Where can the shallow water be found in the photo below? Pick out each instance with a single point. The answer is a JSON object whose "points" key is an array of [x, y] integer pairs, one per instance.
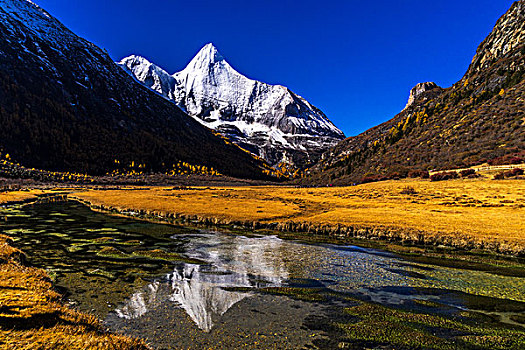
{"points": [[190, 288]]}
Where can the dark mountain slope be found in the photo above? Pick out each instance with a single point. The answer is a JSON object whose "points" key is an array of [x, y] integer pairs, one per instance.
{"points": [[480, 118], [65, 106]]}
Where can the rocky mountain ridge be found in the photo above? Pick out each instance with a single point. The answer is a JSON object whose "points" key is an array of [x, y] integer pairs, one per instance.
{"points": [[508, 33]]}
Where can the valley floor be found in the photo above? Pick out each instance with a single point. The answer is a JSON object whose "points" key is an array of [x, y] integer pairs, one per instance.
{"points": [[465, 214], [19, 196]]}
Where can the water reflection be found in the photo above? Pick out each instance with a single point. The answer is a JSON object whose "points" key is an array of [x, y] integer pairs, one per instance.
{"points": [[99, 260], [199, 289], [139, 302]]}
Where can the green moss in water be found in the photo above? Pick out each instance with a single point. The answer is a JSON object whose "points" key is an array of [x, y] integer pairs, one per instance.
{"points": [[475, 302], [428, 303], [159, 254], [94, 294], [131, 242], [382, 325], [102, 273], [112, 252], [57, 234], [15, 232], [103, 240], [518, 318], [104, 229], [75, 248]]}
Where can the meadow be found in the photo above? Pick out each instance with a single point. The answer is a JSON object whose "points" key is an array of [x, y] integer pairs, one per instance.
{"points": [[19, 196], [464, 213]]}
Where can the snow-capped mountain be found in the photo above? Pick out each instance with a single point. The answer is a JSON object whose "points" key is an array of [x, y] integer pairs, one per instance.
{"points": [[268, 120]]}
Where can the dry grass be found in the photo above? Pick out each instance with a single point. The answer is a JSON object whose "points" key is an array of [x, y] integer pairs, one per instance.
{"points": [[32, 315], [484, 210], [19, 196], [243, 203]]}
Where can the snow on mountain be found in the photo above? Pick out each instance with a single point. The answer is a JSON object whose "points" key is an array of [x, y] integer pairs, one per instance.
{"points": [[268, 120], [37, 20]]}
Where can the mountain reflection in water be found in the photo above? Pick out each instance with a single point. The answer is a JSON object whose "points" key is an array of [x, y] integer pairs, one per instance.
{"points": [[199, 289]]}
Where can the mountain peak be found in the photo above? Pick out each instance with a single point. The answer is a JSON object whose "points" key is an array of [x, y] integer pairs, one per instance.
{"points": [[207, 56], [136, 59], [210, 50], [267, 120], [136, 62]]}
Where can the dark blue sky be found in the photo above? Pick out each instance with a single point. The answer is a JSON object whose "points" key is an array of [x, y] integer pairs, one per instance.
{"points": [[356, 60]]}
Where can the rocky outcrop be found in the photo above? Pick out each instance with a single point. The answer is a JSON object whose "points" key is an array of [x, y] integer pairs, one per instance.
{"points": [[418, 90]]}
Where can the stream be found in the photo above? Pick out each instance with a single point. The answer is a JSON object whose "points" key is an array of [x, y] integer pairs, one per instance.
{"points": [[181, 287]]}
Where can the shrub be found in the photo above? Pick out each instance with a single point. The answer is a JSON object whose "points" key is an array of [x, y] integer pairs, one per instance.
{"points": [[516, 158], [408, 190], [376, 177], [368, 179], [467, 172], [373, 178], [499, 176], [444, 176], [513, 172], [418, 173], [394, 175]]}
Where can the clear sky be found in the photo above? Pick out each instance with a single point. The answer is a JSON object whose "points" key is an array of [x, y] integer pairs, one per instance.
{"points": [[354, 59]]}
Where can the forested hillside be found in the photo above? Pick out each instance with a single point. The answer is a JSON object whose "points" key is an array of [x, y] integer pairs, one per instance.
{"points": [[479, 119], [65, 106]]}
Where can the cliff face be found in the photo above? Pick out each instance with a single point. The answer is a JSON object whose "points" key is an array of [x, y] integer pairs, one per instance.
{"points": [[480, 118], [508, 34], [421, 89]]}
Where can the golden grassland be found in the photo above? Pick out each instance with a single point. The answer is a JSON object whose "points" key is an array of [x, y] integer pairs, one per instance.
{"points": [[19, 196], [470, 213], [32, 315]]}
